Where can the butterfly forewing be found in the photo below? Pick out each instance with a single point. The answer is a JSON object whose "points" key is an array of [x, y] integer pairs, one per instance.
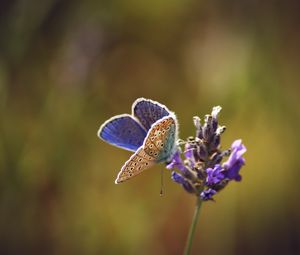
{"points": [[148, 111], [123, 131], [137, 163]]}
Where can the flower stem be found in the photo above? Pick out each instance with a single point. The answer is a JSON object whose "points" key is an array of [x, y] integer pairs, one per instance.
{"points": [[189, 241]]}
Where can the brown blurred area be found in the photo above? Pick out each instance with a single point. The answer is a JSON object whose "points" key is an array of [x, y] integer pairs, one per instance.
{"points": [[67, 66]]}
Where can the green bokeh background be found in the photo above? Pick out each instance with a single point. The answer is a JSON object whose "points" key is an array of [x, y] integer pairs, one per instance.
{"points": [[67, 66]]}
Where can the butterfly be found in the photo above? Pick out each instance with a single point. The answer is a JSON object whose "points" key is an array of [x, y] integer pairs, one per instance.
{"points": [[150, 131]]}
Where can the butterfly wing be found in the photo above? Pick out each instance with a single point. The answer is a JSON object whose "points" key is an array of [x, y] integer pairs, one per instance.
{"points": [[136, 164], [159, 146], [161, 139], [148, 111], [123, 131]]}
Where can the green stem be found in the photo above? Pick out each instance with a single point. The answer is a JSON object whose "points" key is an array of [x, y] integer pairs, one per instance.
{"points": [[189, 241]]}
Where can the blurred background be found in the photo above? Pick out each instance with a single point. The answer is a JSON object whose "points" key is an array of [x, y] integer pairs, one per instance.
{"points": [[67, 66]]}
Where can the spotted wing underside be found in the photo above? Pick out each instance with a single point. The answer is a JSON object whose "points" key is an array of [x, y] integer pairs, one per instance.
{"points": [[137, 163], [157, 147], [160, 140]]}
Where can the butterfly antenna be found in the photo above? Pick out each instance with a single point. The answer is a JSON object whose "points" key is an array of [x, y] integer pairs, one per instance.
{"points": [[161, 193]]}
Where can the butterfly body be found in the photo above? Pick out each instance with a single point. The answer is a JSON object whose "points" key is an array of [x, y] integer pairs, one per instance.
{"points": [[151, 131]]}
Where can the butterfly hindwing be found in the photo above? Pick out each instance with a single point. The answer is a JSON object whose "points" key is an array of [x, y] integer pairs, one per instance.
{"points": [[136, 164], [148, 111], [160, 140], [123, 131]]}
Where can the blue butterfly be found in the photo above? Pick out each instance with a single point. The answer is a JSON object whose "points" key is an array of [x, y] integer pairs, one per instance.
{"points": [[151, 131]]}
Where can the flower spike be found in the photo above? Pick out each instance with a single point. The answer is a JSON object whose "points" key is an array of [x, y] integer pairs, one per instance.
{"points": [[201, 172]]}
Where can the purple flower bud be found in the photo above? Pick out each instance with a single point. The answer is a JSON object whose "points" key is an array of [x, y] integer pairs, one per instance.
{"points": [[207, 194], [214, 175], [233, 172], [217, 158], [203, 152], [197, 123], [200, 152], [208, 131], [235, 162], [189, 151], [215, 142], [201, 175], [215, 111], [214, 124], [181, 180]]}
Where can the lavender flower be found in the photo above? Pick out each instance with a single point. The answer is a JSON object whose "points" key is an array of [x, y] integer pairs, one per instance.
{"points": [[214, 175], [235, 161], [184, 182], [207, 194], [201, 172], [177, 162]]}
